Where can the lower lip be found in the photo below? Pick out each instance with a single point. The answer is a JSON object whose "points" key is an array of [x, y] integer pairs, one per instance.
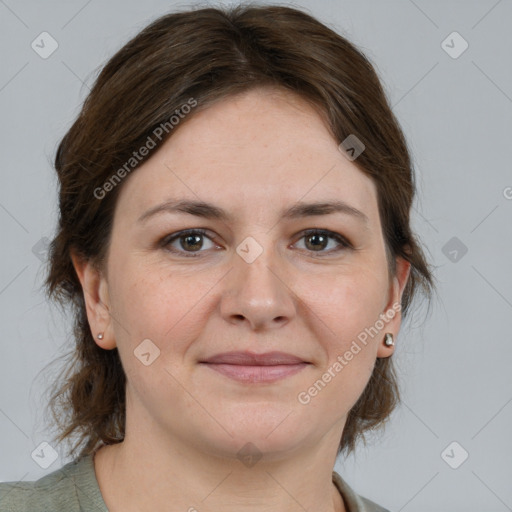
{"points": [[255, 374]]}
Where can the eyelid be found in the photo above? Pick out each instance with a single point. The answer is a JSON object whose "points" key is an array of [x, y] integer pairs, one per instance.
{"points": [[331, 234], [166, 240], [340, 239]]}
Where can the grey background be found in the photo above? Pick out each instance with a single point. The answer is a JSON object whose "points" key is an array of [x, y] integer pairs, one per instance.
{"points": [[457, 115]]}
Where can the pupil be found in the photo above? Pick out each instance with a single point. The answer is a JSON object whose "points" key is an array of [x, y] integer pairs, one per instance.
{"points": [[321, 245], [192, 237], [197, 244]]}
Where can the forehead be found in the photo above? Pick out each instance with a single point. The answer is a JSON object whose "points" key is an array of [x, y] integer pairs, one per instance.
{"points": [[263, 147]]}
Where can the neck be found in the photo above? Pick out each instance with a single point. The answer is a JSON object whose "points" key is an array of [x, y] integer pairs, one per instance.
{"points": [[145, 473]]}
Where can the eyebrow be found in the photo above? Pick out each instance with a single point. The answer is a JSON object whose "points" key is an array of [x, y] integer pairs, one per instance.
{"points": [[210, 211]]}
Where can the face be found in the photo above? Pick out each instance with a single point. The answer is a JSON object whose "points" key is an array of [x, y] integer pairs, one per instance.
{"points": [[268, 275]]}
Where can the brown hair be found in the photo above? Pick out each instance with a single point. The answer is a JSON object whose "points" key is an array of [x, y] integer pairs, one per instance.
{"points": [[209, 54]]}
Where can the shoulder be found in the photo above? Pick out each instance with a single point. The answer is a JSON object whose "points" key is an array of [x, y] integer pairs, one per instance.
{"points": [[52, 492], [66, 489], [353, 501]]}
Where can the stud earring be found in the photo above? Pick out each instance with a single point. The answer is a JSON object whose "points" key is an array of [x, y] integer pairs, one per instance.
{"points": [[388, 340], [100, 336]]}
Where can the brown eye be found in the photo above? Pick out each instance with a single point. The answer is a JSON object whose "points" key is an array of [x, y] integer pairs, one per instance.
{"points": [[319, 240], [192, 242], [316, 241], [188, 241]]}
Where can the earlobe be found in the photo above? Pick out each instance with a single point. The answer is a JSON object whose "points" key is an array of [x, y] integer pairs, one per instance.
{"points": [[95, 290]]}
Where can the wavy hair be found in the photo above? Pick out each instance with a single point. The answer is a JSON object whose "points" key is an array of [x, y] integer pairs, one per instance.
{"points": [[210, 54]]}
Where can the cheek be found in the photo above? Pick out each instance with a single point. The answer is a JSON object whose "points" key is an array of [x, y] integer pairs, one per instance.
{"points": [[346, 302], [164, 305], [343, 374], [345, 309]]}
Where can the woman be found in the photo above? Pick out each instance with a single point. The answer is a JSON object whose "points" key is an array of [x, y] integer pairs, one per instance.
{"points": [[234, 241]]}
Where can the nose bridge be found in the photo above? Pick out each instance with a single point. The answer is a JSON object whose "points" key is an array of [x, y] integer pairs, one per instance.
{"points": [[258, 267], [257, 292]]}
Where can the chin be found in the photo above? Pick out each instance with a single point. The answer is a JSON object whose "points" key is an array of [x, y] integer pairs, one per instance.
{"points": [[258, 434]]}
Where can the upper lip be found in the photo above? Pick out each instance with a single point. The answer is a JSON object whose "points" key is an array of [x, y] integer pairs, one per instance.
{"points": [[253, 359]]}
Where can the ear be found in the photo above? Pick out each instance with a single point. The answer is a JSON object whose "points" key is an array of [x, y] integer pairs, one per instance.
{"points": [[95, 290], [392, 314]]}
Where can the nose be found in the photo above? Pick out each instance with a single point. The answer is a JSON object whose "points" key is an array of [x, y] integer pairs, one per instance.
{"points": [[257, 293]]}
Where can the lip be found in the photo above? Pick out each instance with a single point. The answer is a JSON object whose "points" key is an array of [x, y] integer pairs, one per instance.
{"points": [[253, 359], [249, 367]]}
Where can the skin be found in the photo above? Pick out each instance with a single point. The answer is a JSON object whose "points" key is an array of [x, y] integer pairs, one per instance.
{"points": [[253, 155]]}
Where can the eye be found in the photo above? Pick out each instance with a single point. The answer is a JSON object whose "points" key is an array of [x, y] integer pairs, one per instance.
{"points": [[316, 240], [190, 241]]}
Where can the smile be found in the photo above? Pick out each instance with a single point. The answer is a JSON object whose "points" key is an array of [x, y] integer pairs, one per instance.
{"points": [[256, 373]]}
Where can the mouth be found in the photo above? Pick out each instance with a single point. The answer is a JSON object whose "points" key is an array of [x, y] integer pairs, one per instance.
{"points": [[249, 367]]}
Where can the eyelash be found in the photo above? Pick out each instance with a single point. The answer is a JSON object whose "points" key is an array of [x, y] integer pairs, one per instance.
{"points": [[166, 241]]}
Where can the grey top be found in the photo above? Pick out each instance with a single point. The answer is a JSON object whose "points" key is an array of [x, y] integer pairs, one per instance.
{"points": [[74, 488]]}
